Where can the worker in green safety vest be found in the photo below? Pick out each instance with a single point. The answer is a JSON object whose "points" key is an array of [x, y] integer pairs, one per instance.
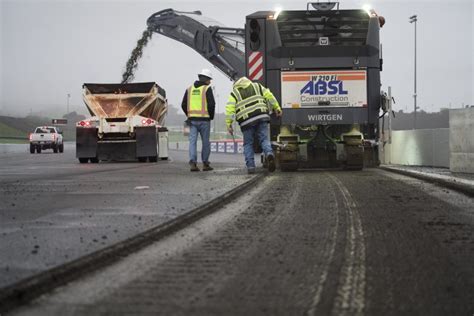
{"points": [[250, 104], [199, 106]]}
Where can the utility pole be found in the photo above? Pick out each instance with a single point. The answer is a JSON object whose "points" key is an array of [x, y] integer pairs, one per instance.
{"points": [[413, 19], [216, 112], [68, 97]]}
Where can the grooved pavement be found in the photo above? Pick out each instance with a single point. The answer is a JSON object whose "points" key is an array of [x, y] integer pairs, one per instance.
{"points": [[313, 243]]}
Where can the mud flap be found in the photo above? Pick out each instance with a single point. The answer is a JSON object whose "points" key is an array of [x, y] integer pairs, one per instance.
{"points": [[147, 142], [116, 151], [86, 142]]}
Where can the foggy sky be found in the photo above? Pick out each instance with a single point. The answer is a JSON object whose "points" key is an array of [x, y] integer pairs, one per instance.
{"points": [[50, 48]]}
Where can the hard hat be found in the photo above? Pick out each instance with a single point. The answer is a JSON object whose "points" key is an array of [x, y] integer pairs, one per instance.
{"points": [[381, 21], [205, 72]]}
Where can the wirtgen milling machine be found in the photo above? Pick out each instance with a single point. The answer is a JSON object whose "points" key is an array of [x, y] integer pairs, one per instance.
{"points": [[322, 64]]}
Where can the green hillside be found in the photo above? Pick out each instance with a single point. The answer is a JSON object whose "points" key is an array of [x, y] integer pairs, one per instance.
{"points": [[21, 127], [8, 131]]}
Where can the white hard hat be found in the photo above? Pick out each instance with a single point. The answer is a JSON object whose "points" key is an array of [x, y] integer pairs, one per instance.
{"points": [[205, 72]]}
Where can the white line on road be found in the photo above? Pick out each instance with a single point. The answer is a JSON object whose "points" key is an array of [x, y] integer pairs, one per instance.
{"points": [[142, 187]]}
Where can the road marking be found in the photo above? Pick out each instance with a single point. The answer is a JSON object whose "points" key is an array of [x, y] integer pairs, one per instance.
{"points": [[227, 170], [350, 299], [325, 268], [142, 187]]}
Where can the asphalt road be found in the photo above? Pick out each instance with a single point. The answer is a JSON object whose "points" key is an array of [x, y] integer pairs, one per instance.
{"points": [[54, 210], [305, 243]]}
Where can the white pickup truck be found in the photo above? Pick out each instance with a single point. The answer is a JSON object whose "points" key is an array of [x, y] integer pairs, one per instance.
{"points": [[46, 137]]}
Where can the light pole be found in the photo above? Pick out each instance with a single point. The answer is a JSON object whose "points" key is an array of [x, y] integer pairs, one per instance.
{"points": [[68, 97], [413, 19], [216, 112]]}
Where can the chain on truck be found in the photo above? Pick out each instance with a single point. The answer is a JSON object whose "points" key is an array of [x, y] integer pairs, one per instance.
{"points": [[323, 65]]}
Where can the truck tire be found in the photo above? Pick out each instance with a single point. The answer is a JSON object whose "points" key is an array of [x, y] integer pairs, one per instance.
{"points": [[141, 159], [38, 149], [32, 149], [61, 148], [95, 160], [83, 160], [55, 149], [153, 159], [164, 158]]}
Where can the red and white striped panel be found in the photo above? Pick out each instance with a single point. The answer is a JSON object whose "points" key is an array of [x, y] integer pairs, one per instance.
{"points": [[255, 65]]}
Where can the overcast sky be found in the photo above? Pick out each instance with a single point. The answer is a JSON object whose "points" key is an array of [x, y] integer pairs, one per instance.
{"points": [[49, 48]]}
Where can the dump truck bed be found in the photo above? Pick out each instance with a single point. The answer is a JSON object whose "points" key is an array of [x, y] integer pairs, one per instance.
{"points": [[125, 100]]}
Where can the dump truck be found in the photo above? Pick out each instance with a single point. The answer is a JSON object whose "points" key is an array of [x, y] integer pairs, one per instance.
{"points": [[126, 123], [323, 65]]}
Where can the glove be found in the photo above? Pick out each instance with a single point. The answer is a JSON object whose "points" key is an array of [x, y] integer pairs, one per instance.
{"points": [[230, 130], [278, 113]]}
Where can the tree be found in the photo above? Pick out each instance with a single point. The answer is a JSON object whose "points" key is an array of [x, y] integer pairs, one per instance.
{"points": [[73, 117]]}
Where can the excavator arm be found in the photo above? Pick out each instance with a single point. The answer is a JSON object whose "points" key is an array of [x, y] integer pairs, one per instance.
{"points": [[221, 46]]}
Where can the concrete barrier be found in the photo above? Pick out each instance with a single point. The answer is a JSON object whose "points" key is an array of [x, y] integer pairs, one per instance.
{"points": [[422, 147], [461, 140]]}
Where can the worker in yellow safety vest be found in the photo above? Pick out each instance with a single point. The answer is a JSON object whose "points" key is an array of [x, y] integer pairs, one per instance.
{"points": [[250, 104], [199, 106]]}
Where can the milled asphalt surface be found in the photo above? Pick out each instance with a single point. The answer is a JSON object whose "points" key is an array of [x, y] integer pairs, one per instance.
{"points": [[304, 243], [54, 210]]}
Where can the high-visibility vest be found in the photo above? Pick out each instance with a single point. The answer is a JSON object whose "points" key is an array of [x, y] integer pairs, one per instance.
{"points": [[251, 104], [197, 102]]}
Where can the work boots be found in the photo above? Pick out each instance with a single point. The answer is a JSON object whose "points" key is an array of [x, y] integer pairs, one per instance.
{"points": [[194, 166], [207, 167]]}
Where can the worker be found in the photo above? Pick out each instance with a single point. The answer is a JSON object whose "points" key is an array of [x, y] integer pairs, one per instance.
{"points": [[379, 17], [199, 106], [249, 104]]}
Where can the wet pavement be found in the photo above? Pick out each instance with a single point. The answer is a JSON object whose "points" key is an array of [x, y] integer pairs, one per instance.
{"points": [[304, 243], [54, 210]]}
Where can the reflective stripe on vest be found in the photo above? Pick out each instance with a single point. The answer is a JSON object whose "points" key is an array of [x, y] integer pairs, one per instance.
{"points": [[253, 105], [197, 101]]}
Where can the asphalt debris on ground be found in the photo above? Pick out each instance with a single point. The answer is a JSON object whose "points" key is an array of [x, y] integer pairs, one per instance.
{"points": [[314, 243]]}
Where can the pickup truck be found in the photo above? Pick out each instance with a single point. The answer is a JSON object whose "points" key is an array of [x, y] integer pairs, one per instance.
{"points": [[46, 137]]}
